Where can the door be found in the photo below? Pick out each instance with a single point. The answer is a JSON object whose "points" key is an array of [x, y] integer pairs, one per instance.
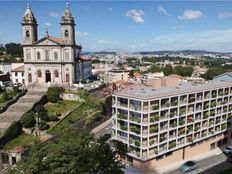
{"points": [[48, 76], [29, 78], [67, 78]]}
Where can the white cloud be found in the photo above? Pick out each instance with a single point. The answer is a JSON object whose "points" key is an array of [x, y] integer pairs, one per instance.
{"points": [[82, 34], [54, 14], [136, 15], [162, 10], [191, 14], [225, 14], [215, 40], [48, 24], [105, 42], [110, 9]]}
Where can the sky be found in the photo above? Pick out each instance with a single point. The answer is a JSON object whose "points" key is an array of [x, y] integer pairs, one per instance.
{"points": [[129, 25]]}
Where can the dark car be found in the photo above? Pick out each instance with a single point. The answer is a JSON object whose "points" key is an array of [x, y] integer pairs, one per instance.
{"points": [[188, 166]]}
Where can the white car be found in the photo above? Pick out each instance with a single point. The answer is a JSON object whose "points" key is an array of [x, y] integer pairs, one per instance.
{"points": [[227, 150]]}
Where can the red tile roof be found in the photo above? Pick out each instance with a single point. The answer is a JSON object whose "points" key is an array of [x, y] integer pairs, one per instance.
{"points": [[18, 69], [56, 39]]}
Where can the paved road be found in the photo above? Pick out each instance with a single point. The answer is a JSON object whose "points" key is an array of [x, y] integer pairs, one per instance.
{"points": [[106, 130], [207, 165]]}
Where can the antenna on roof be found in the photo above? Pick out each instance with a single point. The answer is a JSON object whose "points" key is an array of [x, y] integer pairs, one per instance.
{"points": [[28, 3]]}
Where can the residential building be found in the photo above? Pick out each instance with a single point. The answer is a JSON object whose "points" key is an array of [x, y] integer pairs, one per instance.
{"points": [[51, 59], [17, 75], [115, 75], [171, 124]]}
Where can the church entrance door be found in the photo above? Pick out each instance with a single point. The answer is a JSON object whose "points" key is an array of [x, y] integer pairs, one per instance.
{"points": [[29, 78], [67, 78], [48, 76]]}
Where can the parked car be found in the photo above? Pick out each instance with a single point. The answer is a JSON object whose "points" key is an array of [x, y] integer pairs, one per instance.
{"points": [[227, 150], [230, 159], [188, 166]]}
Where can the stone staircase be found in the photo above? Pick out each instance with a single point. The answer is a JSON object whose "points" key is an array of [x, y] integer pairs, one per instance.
{"points": [[24, 104]]}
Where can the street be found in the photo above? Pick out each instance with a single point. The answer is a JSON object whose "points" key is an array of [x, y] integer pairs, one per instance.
{"points": [[211, 165]]}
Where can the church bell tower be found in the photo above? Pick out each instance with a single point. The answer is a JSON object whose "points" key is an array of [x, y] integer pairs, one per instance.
{"points": [[29, 24]]}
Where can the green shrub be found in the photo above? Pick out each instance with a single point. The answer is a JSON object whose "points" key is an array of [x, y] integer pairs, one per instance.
{"points": [[43, 126], [53, 118], [53, 94], [11, 133], [27, 120]]}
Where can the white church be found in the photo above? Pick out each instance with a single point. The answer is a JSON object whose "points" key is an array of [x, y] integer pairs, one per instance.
{"points": [[53, 60]]}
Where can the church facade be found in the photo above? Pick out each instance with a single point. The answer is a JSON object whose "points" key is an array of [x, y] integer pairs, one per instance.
{"points": [[50, 59]]}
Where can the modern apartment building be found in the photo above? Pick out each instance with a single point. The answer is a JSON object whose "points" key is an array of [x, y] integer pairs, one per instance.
{"points": [[171, 124]]}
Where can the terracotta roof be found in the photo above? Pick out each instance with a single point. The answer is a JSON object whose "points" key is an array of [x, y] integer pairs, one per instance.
{"points": [[18, 69], [56, 39], [137, 75], [121, 82], [176, 76], [83, 58]]}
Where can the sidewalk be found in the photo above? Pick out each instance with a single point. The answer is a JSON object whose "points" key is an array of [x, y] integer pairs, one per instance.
{"points": [[102, 126], [176, 165]]}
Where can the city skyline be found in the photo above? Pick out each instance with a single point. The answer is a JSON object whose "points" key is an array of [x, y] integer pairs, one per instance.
{"points": [[129, 26]]}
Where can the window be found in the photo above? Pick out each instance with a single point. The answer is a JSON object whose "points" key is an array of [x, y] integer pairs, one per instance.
{"points": [[46, 55], [22, 74], [66, 55], [23, 81], [16, 80], [55, 55], [212, 146], [28, 54], [39, 73], [27, 33], [16, 74], [56, 73], [38, 56], [66, 33]]}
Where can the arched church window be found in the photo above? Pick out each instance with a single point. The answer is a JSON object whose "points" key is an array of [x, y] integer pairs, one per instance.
{"points": [[56, 73], [39, 73], [27, 33], [55, 55], [38, 56], [66, 33]]}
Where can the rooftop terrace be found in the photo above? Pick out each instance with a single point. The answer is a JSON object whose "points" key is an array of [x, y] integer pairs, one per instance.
{"points": [[147, 92]]}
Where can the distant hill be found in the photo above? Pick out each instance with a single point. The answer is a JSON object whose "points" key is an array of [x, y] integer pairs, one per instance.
{"points": [[158, 52]]}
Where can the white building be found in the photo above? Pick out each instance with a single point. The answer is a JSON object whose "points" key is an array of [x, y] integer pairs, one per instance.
{"points": [[17, 75], [51, 59]]}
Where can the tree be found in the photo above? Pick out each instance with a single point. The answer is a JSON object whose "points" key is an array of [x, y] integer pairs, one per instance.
{"points": [[71, 153], [53, 94], [14, 49], [168, 70], [183, 71], [28, 120]]}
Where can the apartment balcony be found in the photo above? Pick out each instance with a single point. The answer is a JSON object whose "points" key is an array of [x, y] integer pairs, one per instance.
{"points": [[135, 108], [172, 145], [122, 116], [152, 141], [196, 129], [123, 127], [135, 129], [122, 138], [189, 139], [154, 118], [153, 129], [181, 122], [155, 107], [182, 111], [181, 132], [124, 105], [145, 120], [135, 119]]}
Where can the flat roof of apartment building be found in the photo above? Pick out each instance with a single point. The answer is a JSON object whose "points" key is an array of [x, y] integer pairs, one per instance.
{"points": [[148, 92]]}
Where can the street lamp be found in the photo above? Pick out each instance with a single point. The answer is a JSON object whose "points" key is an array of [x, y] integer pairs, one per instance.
{"points": [[37, 124]]}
